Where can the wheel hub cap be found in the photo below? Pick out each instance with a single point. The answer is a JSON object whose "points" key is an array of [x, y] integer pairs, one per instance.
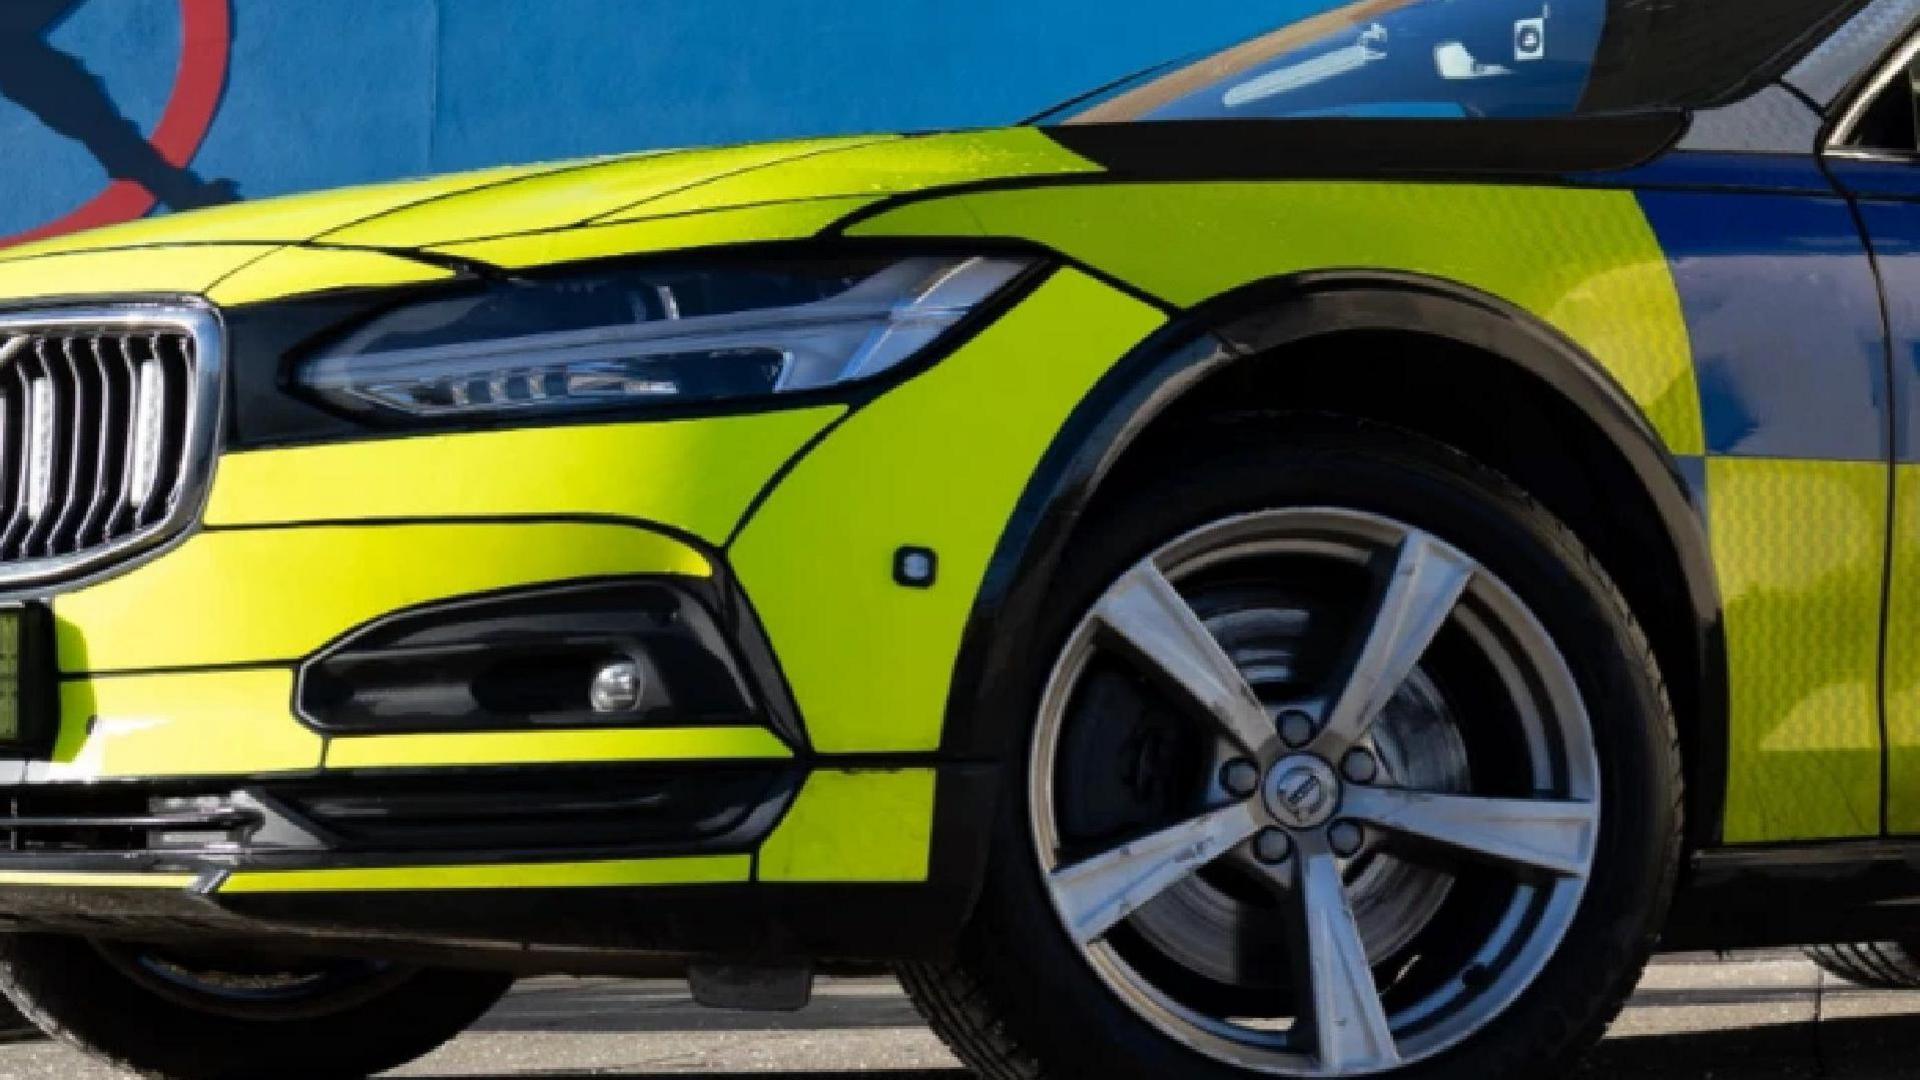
{"points": [[1302, 792]]}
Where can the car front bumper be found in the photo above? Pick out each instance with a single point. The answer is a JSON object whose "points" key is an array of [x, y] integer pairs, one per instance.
{"points": [[179, 677]]}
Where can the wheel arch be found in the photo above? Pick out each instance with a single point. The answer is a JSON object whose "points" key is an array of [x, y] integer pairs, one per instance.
{"points": [[1255, 350]]}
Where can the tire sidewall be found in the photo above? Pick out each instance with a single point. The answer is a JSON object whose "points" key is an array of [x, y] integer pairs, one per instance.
{"points": [[77, 995]]}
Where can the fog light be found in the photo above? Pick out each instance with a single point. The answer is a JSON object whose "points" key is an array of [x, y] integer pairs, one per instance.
{"points": [[617, 687]]}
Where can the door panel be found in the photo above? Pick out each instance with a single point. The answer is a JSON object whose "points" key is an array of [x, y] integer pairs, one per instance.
{"points": [[1800, 547], [1789, 348], [1892, 220]]}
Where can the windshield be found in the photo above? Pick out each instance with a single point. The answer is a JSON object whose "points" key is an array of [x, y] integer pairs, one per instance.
{"points": [[1418, 58], [1470, 58]]}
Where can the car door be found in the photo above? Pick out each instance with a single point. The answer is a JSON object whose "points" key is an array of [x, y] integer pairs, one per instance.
{"points": [[1873, 153], [1784, 317]]}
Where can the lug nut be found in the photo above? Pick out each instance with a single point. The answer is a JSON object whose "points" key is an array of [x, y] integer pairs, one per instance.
{"points": [[1346, 838], [1360, 767], [1272, 847], [1240, 777], [1296, 728]]}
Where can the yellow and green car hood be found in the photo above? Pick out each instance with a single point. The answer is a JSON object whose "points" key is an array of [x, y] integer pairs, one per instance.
{"points": [[521, 216]]}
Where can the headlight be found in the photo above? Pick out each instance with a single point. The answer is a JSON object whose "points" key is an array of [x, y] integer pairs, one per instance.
{"points": [[662, 335]]}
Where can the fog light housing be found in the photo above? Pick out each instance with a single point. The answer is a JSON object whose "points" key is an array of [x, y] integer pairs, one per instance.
{"points": [[641, 652], [618, 687]]}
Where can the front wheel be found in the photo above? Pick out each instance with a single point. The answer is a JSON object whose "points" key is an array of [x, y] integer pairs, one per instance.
{"points": [[182, 1014], [1350, 761]]}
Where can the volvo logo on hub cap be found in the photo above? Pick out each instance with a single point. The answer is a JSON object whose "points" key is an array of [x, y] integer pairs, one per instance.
{"points": [[1302, 792]]}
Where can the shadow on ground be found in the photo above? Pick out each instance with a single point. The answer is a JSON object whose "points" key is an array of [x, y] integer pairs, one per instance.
{"points": [[1876, 1048], [1772, 1017]]}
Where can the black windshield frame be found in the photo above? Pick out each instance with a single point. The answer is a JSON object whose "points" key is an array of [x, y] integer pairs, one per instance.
{"points": [[1653, 55]]}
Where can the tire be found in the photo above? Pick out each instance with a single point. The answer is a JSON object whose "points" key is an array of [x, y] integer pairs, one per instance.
{"points": [[1023, 999], [1881, 965], [15, 1027], [137, 1010]]}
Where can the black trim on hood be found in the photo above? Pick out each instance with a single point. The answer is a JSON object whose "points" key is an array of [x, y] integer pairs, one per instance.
{"points": [[1372, 148]]}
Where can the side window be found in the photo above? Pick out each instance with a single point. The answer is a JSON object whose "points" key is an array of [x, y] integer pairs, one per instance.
{"points": [[1890, 124]]}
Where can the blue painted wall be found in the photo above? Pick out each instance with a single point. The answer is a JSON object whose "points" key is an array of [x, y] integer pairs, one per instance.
{"points": [[321, 93]]}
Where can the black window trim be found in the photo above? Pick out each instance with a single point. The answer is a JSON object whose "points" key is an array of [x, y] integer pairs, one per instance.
{"points": [[1899, 62]]}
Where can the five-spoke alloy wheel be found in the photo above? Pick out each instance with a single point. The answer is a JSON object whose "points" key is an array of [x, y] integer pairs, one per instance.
{"points": [[1303, 800], [1345, 759]]}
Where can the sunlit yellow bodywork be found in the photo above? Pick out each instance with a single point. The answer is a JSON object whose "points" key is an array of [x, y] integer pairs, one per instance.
{"points": [[182, 665], [1606, 285], [866, 491], [620, 873], [1800, 548], [277, 595], [188, 723], [1903, 657], [867, 826]]}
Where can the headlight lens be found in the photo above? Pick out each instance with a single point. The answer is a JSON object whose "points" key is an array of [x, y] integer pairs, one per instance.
{"points": [[661, 335]]}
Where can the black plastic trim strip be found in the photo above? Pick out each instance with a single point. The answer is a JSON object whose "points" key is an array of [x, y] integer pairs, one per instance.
{"points": [[546, 930], [189, 669], [539, 612], [671, 532], [1836, 891], [720, 595], [1372, 148]]}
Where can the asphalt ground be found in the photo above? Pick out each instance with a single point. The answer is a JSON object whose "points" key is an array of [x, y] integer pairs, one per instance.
{"points": [[1769, 1015]]}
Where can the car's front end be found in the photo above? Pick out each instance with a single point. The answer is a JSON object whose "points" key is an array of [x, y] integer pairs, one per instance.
{"points": [[496, 588], [1207, 568]]}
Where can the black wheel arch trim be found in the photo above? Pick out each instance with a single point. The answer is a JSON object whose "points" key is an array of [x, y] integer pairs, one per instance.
{"points": [[1240, 327]]}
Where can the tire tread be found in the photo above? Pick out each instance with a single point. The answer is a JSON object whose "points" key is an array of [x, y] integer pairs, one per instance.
{"points": [[1879, 965]]}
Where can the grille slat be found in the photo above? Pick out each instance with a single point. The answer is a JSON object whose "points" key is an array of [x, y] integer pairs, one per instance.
{"points": [[12, 422], [47, 435], [111, 440], [119, 516], [106, 424], [84, 408], [175, 363], [13, 537]]}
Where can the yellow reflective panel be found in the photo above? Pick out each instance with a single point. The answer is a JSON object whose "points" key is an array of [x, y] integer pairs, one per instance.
{"points": [[276, 221], [572, 197], [697, 476], [185, 269], [937, 217], [1586, 262], [1903, 660], [690, 870], [1799, 546], [267, 595], [898, 165], [299, 271], [937, 463], [203, 723], [751, 224], [554, 747], [860, 826], [10, 878]]}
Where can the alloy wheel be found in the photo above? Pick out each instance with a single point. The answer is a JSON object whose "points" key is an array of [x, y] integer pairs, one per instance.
{"points": [[1350, 805]]}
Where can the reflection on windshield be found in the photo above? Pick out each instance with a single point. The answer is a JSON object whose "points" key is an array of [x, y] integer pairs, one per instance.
{"points": [[1424, 58]]}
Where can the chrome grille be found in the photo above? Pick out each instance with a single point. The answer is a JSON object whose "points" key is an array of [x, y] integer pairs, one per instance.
{"points": [[107, 422]]}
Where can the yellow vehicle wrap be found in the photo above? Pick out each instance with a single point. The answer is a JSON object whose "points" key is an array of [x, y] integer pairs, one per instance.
{"points": [[805, 508]]}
